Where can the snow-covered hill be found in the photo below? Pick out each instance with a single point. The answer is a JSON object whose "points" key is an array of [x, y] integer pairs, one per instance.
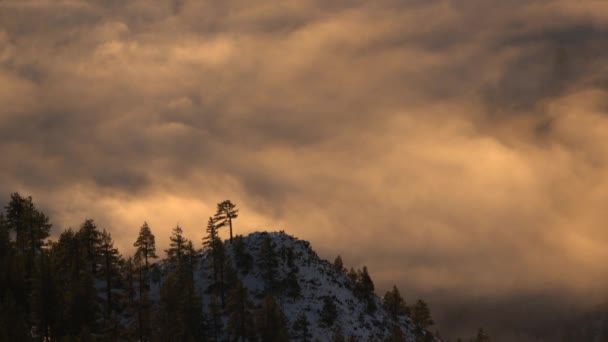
{"points": [[306, 282]]}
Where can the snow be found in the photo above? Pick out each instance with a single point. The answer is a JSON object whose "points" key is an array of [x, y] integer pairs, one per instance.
{"points": [[316, 278]]}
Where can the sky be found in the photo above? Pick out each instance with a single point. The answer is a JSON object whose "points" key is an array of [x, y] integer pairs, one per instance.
{"points": [[456, 148]]}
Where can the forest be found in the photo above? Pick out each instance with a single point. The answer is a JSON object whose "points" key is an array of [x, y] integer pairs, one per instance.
{"points": [[80, 287]]}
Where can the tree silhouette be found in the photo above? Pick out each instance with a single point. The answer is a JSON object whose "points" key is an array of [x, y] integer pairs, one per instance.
{"points": [[146, 244], [110, 267], [226, 212], [271, 322], [240, 322], [394, 303]]}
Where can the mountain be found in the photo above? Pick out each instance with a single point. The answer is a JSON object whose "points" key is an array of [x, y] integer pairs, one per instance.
{"points": [[302, 284]]}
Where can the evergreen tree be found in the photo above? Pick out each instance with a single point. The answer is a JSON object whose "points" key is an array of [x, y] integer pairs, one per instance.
{"points": [[211, 242], [146, 250], [352, 276], [110, 268], [229, 278], [226, 212], [31, 226], [292, 287], [329, 312], [421, 316], [338, 264], [243, 260], [394, 303], [216, 325], [83, 308], [13, 321], [44, 298], [182, 313], [212, 233], [77, 306], [90, 237], [129, 274], [13, 294], [397, 335], [177, 247], [240, 323], [364, 289], [217, 258], [146, 244], [268, 263], [301, 328], [271, 322], [143, 304]]}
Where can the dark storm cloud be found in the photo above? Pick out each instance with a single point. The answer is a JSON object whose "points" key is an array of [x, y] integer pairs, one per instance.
{"points": [[557, 61], [464, 138]]}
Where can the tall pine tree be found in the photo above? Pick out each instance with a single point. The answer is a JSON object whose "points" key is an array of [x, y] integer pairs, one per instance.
{"points": [[226, 212], [146, 245], [241, 326]]}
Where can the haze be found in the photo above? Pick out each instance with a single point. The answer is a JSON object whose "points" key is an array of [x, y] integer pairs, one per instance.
{"points": [[456, 148]]}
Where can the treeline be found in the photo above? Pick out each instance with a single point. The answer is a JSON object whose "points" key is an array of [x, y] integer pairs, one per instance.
{"points": [[80, 288]]}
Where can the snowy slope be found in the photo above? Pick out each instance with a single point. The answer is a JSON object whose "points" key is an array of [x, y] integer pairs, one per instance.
{"points": [[316, 279]]}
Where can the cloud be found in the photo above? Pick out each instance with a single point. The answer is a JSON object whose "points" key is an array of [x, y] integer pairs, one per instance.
{"points": [[465, 139]]}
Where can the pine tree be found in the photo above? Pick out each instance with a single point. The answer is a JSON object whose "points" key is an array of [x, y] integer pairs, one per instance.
{"points": [[45, 298], [271, 322], [146, 244], [243, 260], [352, 276], [268, 263], [146, 249], [31, 226], [421, 316], [90, 237], [77, 302], [226, 212], [177, 246], [216, 325], [11, 276], [143, 305], [338, 264], [394, 303], [129, 272], [211, 233], [301, 328], [83, 309], [240, 323], [217, 259], [109, 268], [397, 335], [182, 308], [182, 313], [364, 289], [211, 242], [329, 312]]}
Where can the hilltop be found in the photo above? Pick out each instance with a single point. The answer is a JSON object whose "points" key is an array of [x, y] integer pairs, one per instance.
{"points": [[260, 287]]}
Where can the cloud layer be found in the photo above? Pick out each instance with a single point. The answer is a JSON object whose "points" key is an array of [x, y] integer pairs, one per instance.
{"points": [[453, 147]]}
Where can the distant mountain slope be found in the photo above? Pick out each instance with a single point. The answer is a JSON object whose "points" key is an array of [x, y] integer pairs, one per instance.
{"points": [[302, 283], [317, 279]]}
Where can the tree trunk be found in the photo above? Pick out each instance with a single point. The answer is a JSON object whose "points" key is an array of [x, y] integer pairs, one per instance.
{"points": [[108, 284], [230, 223]]}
